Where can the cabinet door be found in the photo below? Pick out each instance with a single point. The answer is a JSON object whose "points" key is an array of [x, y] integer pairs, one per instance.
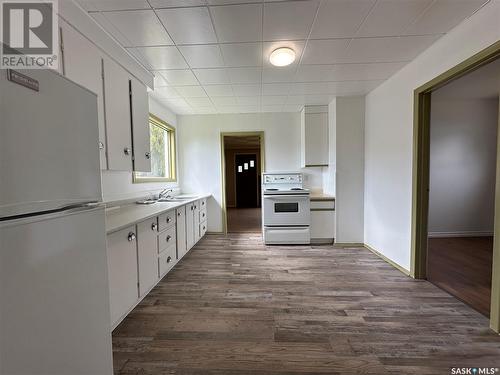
{"points": [[197, 235], [190, 229], [316, 139], [147, 255], [122, 272], [181, 232], [322, 224], [117, 110], [140, 126], [83, 64]]}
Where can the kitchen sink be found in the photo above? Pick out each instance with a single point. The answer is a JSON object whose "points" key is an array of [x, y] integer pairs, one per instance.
{"points": [[147, 201]]}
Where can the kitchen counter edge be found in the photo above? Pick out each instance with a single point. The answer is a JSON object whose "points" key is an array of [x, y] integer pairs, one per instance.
{"points": [[118, 218]]}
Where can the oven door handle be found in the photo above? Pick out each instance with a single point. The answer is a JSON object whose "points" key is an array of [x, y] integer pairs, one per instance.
{"points": [[286, 197]]}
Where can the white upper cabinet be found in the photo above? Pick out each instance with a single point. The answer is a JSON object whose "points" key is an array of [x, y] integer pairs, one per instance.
{"points": [[314, 136], [140, 126], [82, 63], [117, 110]]}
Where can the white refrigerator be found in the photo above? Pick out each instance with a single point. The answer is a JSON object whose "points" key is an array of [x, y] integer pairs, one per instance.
{"points": [[54, 303]]}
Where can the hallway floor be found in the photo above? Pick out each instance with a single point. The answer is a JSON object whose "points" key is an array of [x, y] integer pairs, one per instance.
{"points": [[462, 267], [244, 220], [233, 306]]}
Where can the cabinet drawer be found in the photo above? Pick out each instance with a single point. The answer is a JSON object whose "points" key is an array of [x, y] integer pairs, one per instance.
{"points": [[203, 215], [203, 229], [203, 203], [166, 220], [166, 239], [322, 205], [166, 261]]}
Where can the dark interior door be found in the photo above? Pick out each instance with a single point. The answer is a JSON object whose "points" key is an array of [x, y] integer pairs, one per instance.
{"points": [[246, 181]]}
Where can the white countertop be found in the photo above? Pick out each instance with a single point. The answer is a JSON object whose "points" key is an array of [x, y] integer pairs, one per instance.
{"points": [[320, 196], [123, 216]]}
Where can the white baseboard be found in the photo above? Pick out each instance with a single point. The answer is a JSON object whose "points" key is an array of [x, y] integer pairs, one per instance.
{"points": [[460, 234]]}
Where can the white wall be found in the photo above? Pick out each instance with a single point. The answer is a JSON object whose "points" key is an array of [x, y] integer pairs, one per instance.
{"points": [[118, 185], [389, 137], [462, 166], [200, 149], [349, 207]]}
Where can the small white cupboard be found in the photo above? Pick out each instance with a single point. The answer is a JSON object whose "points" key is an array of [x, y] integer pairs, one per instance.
{"points": [[314, 136]]}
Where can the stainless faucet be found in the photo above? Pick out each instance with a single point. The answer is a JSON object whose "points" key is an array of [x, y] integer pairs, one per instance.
{"points": [[165, 193]]}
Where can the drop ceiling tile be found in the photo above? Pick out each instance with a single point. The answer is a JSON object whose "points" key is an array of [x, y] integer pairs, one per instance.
{"points": [[276, 88], [296, 45], [176, 3], [202, 56], [325, 51], [212, 76], [340, 18], [205, 110], [107, 5], [238, 23], [219, 90], [191, 91], [353, 87], [139, 57], [158, 58], [314, 73], [310, 88], [159, 80], [166, 92], [245, 75], [289, 20], [318, 99], [292, 107], [228, 2], [249, 100], [443, 15], [295, 100], [273, 100], [391, 49], [278, 74], [179, 77], [361, 72], [139, 27], [247, 90], [101, 19], [392, 17], [188, 25], [199, 102], [271, 108], [242, 54], [248, 108], [224, 100]]}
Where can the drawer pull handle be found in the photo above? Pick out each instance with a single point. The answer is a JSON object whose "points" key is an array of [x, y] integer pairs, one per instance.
{"points": [[131, 236], [179, 213], [169, 259], [127, 151], [195, 207], [203, 215], [154, 226], [192, 208], [202, 203], [148, 155], [169, 219], [204, 228], [169, 238]]}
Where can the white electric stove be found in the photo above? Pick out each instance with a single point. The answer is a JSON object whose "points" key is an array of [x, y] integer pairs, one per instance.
{"points": [[285, 209]]}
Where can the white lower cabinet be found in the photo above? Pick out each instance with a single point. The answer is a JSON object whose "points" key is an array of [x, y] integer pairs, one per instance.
{"points": [[181, 232], [142, 254], [322, 221], [147, 255], [122, 272], [190, 230]]}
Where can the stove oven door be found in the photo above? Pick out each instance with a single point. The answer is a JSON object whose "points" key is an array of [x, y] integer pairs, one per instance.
{"points": [[286, 210]]}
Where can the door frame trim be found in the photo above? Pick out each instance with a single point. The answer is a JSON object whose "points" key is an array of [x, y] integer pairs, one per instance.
{"points": [[420, 178], [261, 135]]}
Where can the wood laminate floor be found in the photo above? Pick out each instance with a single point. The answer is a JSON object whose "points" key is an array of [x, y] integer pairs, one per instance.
{"points": [[462, 267], [233, 306], [244, 220]]}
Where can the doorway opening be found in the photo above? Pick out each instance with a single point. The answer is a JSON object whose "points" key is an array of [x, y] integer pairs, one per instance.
{"points": [[242, 169], [456, 177], [462, 175]]}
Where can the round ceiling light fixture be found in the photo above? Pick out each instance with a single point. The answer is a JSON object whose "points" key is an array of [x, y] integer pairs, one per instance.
{"points": [[282, 56]]}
